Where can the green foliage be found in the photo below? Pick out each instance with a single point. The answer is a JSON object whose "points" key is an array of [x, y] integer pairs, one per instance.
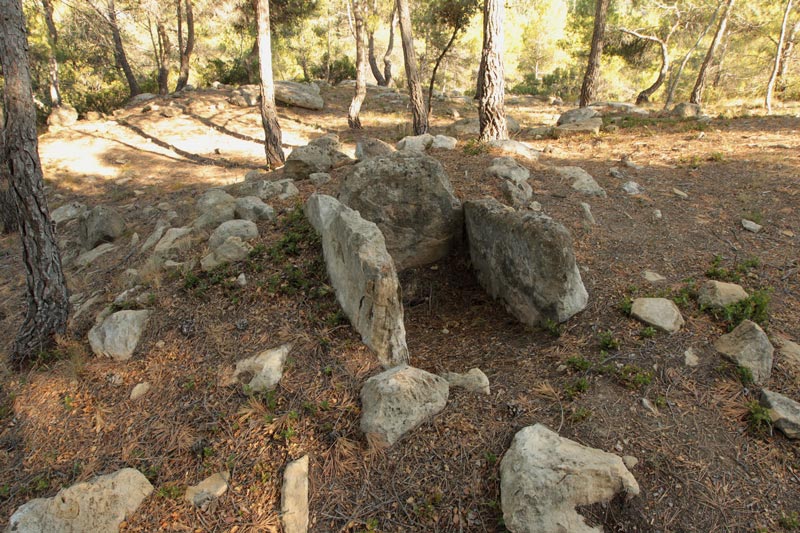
{"points": [[580, 414], [626, 306], [578, 387], [717, 272], [745, 375], [578, 363], [342, 68], [648, 333], [635, 377], [171, 492], [608, 341], [552, 327], [790, 522], [759, 421], [754, 308], [564, 82], [475, 147]]}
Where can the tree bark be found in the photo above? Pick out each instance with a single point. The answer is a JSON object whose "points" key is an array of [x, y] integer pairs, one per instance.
{"points": [[387, 57], [592, 76], [673, 85], [697, 92], [786, 54], [269, 115], [52, 41], [162, 56], [119, 50], [373, 62], [491, 110], [436, 68], [47, 296], [778, 51], [645, 95], [353, 120], [420, 115], [8, 210], [185, 51]]}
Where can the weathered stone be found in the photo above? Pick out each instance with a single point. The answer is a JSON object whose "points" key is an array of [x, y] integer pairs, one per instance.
{"points": [[631, 187], [261, 372], [140, 390], [582, 181], [784, 411], [658, 312], [214, 216], [369, 147], [118, 335], [588, 217], [244, 229], [63, 116], [305, 95], [100, 224], [580, 114], [294, 497], [748, 346], [253, 209], [516, 195], [525, 259], [751, 226], [319, 178], [472, 127], [592, 126], [653, 277], [690, 358], [686, 110], [87, 258], [97, 506], [416, 143], [320, 209], [232, 250], [515, 148], [718, 294], [399, 400], [409, 196], [363, 275], [213, 198], [319, 155], [209, 489], [264, 189], [174, 241], [473, 381], [544, 477], [444, 142], [68, 212], [790, 351], [508, 168]]}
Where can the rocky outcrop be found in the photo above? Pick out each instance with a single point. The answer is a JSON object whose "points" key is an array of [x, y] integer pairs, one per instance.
{"points": [[118, 335], [398, 400], [409, 196], [748, 346], [526, 260], [544, 477]]}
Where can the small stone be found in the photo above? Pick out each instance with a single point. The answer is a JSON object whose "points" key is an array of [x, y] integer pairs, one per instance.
{"points": [[631, 187], [748, 346], [118, 335], [649, 406], [241, 280], [140, 390], [718, 294], [444, 142], [653, 277], [749, 225], [586, 209], [790, 351], [690, 358], [473, 381], [264, 370], [617, 173], [209, 489], [319, 178], [582, 181], [630, 461], [658, 312], [678, 192], [657, 214], [784, 411], [294, 497]]}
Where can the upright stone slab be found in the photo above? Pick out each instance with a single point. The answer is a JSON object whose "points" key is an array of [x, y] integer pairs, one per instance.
{"points": [[526, 260], [409, 196], [362, 273]]}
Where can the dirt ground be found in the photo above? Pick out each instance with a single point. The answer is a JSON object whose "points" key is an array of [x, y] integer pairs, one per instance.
{"points": [[703, 464]]}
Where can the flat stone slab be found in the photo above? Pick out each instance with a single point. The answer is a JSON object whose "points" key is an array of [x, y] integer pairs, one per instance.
{"points": [[473, 380], [264, 370], [784, 411], [748, 346], [659, 313], [209, 489], [294, 497], [590, 126]]}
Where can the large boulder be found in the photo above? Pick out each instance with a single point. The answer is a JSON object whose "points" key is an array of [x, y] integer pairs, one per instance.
{"points": [[62, 116], [362, 273], [118, 335], [99, 506], [749, 347], [253, 209], [526, 260], [544, 477], [305, 95], [409, 196], [98, 225], [686, 110], [369, 147], [398, 400], [215, 207]]}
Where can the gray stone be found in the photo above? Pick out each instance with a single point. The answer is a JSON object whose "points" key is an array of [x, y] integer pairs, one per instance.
{"points": [[444, 142], [62, 116], [281, 189], [748, 346], [173, 242], [253, 209], [100, 224], [417, 143], [784, 411], [586, 210], [369, 147], [399, 400], [143, 97], [97, 506], [751, 226], [508, 168], [362, 273], [87, 258], [580, 114], [653, 277], [679, 193], [319, 155], [305, 95], [211, 199], [592, 126], [209, 489], [232, 250], [262, 372], [690, 358], [473, 381], [525, 259], [515, 148], [140, 390], [294, 497], [241, 280], [790, 351], [686, 110], [67, 212], [516, 195], [660, 313], [472, 127], [409, 196], [718, 294], [631, 187], [544, 477], [244, 229], [582, 181], [118, 334], [319, 178], [214, 216]]}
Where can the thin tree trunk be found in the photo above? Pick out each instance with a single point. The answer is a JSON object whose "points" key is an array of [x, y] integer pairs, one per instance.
{"points": [[52, 41], [412, 74], [353, 119], [592, 76], [373, 62], [673, 85], [8, 210], [786, 54], [723, 53], [697, 92], [645, 95], [47, 296], [491, 110], [778, 51], [186, 52], [436, 67], [269, 115], [479, 82], [119, 51], [162, 52], [387, 57]]}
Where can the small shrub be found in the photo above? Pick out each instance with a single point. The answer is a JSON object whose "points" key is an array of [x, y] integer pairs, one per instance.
{"points": [[626, 306], [578, 363], [648, 333], [608, 341], [755, 308], [759, 422], [717, 272], [475, 147], [745, 375], [552, 327], [580, 414], [790, 522]]}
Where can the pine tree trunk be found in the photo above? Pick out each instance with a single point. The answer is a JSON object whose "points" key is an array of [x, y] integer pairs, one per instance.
{"points": [[47, 297], [119, 51], [8, 211], [786, 54], [163, 57], [269, 115], [592, 76], [52, 41], [412, 74], [491, 110], [673, 84], [436, 68], [387, 57], [645, 95], [353, 120], [776, 67], [185, 51], [373, 61], [697, 92]]}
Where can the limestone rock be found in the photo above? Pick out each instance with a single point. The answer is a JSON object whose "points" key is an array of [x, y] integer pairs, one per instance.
{"points": [[281, 189], [363, 275], [508, 168], [215, 207], [244, 229], [582, 181], [653, 277], [262, 372], [686, 110], [87, 258], [174, 241], [320, 209], [305, 95], [444, 142], [319, 178], [751, 226], [67, 212], [416, 143], [319, 155], [213, 198], [409, 196], [580, 114], [790, 351], [544, 477], [97, 506], [525, 259], [232, 250], [294, 497], [118, 335], [515, 148], [592, 125], [516, 195], [784, 411], [473, 381], [253, 209], [748, 346], [399, 400], [660, 313], [631, 187], [62, 116], [209, 489], [369, 147], [140, 390], [158, 232], [690, 358], [100, 224], [718, 294]]}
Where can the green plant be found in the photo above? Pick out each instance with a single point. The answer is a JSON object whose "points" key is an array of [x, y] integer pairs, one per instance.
{"points": [[660, 402], [287, 434], [716, 156], [626, 305], [578, 387], [475, 147], [759, 421], [755, 308], [608, 341], [580, 414], [171, 492], [490, 457], [790, 522], [578, 363], [648, 333], [633, 376], [552, 327], [745, 375], [717, 272]]}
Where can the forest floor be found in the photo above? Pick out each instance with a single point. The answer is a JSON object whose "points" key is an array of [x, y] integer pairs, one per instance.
{"points": [[703, 465]]}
